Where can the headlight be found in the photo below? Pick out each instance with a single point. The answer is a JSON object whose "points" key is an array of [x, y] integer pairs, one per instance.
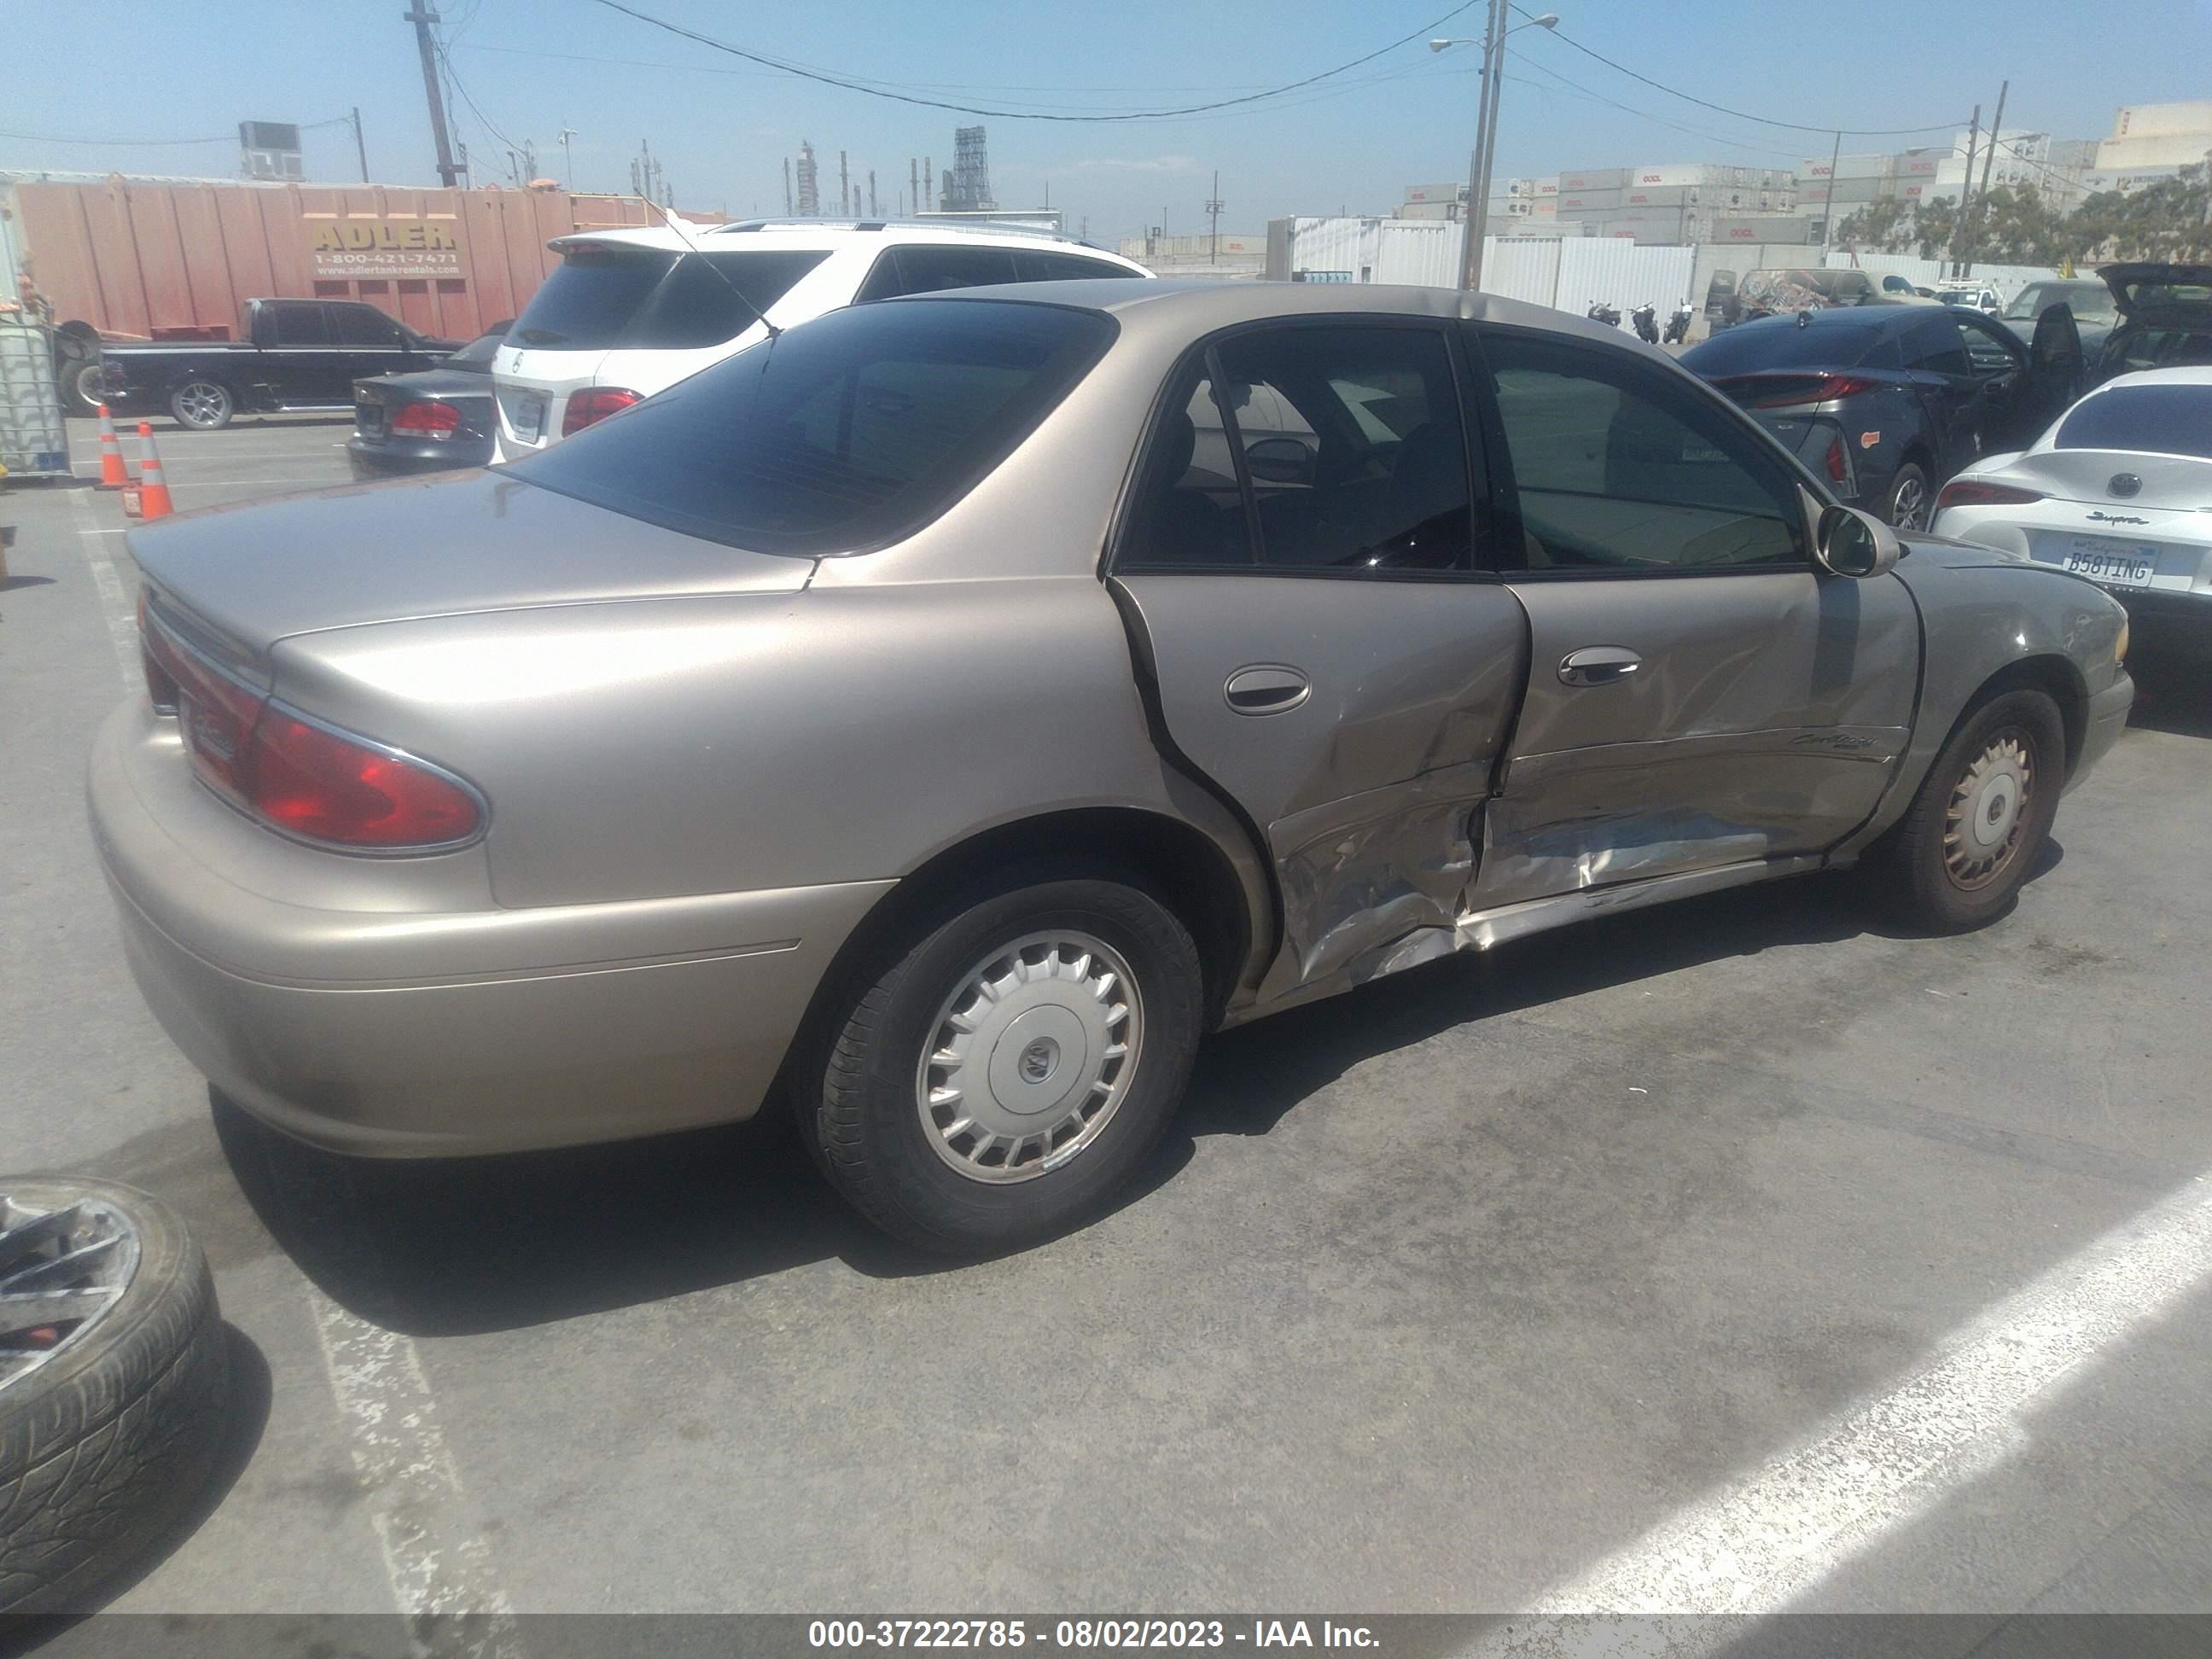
{"points": [[2120, 645]]}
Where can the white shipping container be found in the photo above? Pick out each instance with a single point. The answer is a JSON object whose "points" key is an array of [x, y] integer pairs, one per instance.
{"points": [[2162, 120], [1755, 227], [1593, 179], [1548, 186], [1449, 192], [1429, 209], [1658, 195], [1589, 201]]}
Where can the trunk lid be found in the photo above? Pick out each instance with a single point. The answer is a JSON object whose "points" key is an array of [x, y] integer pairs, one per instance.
{"points": [[2179, 484], [470, 541], [2150, 292]]}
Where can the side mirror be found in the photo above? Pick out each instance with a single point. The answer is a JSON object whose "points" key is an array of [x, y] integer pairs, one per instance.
{"points": [[1279, 460], [1849, 543]]}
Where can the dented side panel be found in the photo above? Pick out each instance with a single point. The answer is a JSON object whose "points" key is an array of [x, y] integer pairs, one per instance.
{"points": [[1369, 790], [1764, 715]]}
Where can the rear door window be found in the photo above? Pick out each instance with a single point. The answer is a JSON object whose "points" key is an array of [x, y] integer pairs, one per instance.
{"points": [[365, 326], [651, 298], [1047, 266], [299, 326], [1934, 345], [848, 434], [923, 269]]}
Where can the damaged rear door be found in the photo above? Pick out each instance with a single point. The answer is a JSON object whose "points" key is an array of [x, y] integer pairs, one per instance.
{"points": [[1699, 694], [1298, 565]]}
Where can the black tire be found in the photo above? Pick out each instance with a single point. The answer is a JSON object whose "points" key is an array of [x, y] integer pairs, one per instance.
{"points": [[1910, 485], [858, 1101], [203, 405], [103, 1446], [1918, 877], [81, 385]]}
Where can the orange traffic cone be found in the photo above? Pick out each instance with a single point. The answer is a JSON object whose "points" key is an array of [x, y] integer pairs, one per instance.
{"points": [[153, 490], [112, 474]]}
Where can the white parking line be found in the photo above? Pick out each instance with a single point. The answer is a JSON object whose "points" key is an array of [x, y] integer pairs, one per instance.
{"points": [[435, 1556], [1761, 1546]]}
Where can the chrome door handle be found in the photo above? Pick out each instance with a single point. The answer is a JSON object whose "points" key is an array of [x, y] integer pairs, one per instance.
{"points": [[1267, 688], [1599, 664]]}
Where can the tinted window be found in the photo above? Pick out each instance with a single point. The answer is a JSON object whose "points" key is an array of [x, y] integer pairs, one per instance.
{"points": [[1620, 468], [651, 298], [1352, 448], [478, 352], [2158, 419], [1050, 267], [1989, 346], [1749, 347], [846, 433], [299, 325], [926, 269], [1934, 345], [364, 325], [2091, 301], [2128, 349]]}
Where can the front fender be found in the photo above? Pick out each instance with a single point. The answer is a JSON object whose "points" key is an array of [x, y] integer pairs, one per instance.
{"points": [[1983, 614]]}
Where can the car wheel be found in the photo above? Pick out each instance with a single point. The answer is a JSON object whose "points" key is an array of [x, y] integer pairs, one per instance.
{"points": [[84, 386], [1910, 498], [203, 405], [1981, 817], [1001, 1077], [114, 1376]]}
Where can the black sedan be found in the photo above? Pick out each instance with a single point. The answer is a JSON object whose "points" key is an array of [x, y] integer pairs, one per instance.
{"points": [[1886, 403], [432, 422]]}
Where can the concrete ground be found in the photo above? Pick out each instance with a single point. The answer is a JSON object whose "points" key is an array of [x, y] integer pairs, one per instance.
{"points": [[1746, 1254]]}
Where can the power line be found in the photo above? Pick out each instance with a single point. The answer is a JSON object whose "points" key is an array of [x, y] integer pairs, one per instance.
{"points": [[1596, 97], [851, 85], [1740, 115], [454, 81]]}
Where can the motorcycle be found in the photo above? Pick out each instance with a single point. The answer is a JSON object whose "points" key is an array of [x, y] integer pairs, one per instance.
{"points": [[1601, 312], [1678, 325], [1646, 319]]}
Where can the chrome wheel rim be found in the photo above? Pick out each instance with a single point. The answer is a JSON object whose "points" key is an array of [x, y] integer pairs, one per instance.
{"points": [[60, 1272], [1988, 811], [1030, 1057], [91, 384], [1911, 506], [202, 404]]}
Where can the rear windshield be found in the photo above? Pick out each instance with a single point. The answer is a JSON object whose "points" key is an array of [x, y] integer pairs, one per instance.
{"points": [[846, 433], [2158, 419], [1751, 347], [2092, 301], [655, 299]]}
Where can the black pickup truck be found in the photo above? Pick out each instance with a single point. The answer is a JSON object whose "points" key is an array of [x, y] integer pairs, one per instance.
{"points": [[290, 355]]}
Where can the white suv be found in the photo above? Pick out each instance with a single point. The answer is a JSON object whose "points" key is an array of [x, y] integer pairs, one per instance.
{"points": [[626, 313]]}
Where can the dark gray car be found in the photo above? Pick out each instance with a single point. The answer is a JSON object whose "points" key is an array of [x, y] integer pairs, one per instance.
{"points": [[435, 422], [945, 713]]}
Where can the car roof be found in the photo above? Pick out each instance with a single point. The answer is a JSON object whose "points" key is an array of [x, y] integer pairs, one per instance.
{"points": [[1861, 317], [827, 235], [2193, 375], [1199, 305]]}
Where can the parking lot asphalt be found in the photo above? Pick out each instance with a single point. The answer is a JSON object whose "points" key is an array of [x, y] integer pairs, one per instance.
{"points": [[1741, 1252]]}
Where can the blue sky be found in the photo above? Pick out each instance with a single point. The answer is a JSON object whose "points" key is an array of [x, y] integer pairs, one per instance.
{"points": [[187, 69]]}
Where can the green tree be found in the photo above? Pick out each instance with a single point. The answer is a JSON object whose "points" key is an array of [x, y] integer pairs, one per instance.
{"points": [[2163, 220], [1934, 224]]}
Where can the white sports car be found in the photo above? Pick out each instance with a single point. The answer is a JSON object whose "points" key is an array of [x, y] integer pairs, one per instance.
{"points": [[2119, 490]]}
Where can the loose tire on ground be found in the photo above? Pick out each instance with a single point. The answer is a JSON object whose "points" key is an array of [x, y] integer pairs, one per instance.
{"points": [[103, 1444], [202, 405], [1946, 867], [864, 1098]]}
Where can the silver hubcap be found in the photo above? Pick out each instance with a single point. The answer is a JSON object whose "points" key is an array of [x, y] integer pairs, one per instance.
{"points": [[1988, 811], [1030, 1057], [60, 1270], [202, 404], [1912, 504]]}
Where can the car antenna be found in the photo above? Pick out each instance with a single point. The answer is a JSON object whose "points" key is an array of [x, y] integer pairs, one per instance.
{"points": [[691, 247]]}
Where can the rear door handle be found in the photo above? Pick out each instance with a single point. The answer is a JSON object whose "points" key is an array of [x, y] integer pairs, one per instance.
{"points": [[1599, 664], [1267, 688]]}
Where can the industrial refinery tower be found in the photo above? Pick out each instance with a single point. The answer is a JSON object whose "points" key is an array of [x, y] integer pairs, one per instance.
{"points": [[968, 183]]}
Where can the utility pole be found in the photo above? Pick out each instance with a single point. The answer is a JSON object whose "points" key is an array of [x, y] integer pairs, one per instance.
{"points": [[422, 17], [928, 178], [912, 184], [1967, 187], [787, 187], [1213, 216], [872, 192], [1988, 161], [1828, 219], [360, 148], [844, 189]]}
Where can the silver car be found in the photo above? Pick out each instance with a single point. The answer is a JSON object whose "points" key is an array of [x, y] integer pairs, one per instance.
{"points": [[941, 716]]}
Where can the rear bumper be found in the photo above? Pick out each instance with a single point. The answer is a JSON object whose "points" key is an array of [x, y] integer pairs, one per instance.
{"points": [[388, 460], [2108, 717], [409, 1034]]}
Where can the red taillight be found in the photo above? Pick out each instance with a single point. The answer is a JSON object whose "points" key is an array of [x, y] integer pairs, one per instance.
{"points": [[304, 778], [1973, 492], [1838, 468], [595, 404], [430, 420], [1808, 389], [318, 783]]}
